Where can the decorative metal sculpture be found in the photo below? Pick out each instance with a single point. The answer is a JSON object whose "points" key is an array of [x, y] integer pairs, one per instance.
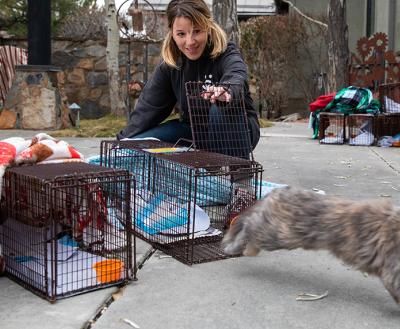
{"points": [[138, 20], [374, 64], [136, 23]]}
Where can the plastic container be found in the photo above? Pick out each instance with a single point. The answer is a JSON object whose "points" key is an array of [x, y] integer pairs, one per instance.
{"points": [[108, 270]]}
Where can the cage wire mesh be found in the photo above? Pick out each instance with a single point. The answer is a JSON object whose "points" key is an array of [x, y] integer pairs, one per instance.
{"points": [[67, 228], [361, 129], [388, 123], [220, 127], [389, 95], [185, 198], [331, 128]]}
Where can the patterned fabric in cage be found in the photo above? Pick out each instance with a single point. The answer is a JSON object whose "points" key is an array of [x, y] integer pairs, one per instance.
{"points": [[331, 128], [361, 129], [185, 198], [67, 228], [389, 95], [220, 127]]}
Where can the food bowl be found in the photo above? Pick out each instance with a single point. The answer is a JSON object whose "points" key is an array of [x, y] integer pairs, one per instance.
{"points": [[108, 270]]}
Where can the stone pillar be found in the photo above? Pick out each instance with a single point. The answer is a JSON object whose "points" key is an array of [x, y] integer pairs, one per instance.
{"points": [[36, 100]]}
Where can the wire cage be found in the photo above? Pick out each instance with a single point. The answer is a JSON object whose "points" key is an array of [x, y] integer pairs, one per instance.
{"points": [[220, 127], [389, 95], [387, 124], [67, 228], [331, 128], [361, 129], [185, 198]]}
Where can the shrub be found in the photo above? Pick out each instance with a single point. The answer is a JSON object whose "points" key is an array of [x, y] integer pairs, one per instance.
{"points": [[274, 48]]}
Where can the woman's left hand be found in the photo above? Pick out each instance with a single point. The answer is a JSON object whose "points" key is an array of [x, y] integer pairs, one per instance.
{"points": [[214, 93]]}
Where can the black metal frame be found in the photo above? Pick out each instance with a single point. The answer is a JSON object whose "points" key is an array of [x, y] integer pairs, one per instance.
{"points": [[61, 219], [220, 127], [361, 129], [169, 187], [337, 132]]}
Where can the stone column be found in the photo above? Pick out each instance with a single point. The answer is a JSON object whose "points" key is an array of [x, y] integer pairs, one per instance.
{"points": [[35, 100]]}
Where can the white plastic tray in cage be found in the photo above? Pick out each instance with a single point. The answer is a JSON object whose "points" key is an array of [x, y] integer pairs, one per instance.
{"points": [[391, 106], [74, 267], [160, 214]]}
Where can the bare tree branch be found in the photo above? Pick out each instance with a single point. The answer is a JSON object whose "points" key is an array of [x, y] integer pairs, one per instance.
{"points": [[305, 16]]}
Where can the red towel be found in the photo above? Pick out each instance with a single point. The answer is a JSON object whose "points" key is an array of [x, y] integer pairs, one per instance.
{"points": [[321, 102]]}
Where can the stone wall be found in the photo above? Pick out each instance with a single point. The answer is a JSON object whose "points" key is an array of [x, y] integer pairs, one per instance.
{"points": [[84, 67]]}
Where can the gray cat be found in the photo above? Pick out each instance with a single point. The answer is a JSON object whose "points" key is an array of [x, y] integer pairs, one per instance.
{"points": [[364, 234]]}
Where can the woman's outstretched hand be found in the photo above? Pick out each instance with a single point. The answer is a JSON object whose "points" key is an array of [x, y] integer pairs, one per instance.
{"points": [[216, 93]]}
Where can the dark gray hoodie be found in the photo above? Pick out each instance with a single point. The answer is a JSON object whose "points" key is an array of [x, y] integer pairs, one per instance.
{"points": [[166, 88]]}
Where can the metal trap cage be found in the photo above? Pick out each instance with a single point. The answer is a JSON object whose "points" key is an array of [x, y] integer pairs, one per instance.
{"points": [[331, 128], [220, 127], [387, 124], [389, 96], [185, 198], [361, 129], [67, 228]]}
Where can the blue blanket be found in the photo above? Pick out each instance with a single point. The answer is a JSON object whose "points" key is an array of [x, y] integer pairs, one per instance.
{"points": [[211, 190]]}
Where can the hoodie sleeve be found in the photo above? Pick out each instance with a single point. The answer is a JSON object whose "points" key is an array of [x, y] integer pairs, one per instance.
{"points": [[154, 105], [232, 66], [233, 70]]}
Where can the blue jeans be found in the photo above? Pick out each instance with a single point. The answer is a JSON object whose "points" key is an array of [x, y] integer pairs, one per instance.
{"points": [[170, 131], [222, 133]]}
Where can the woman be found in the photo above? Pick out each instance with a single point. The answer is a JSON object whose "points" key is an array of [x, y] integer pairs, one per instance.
{"points": [[195, 49]]}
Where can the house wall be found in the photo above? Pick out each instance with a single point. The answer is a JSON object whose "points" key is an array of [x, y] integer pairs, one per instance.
{"points": [[397, 27], [356, 11], [387, 21], [311, 6], [387, 18], [382, 16]]}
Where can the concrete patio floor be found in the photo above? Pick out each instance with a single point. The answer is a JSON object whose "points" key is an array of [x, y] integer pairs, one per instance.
{"points": [[258, 292]]}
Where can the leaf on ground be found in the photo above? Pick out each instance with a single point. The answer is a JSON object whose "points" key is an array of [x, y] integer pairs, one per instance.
{"points": [[305, 297]]}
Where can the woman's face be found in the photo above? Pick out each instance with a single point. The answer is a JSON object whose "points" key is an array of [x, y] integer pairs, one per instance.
{"points": [[191, 40]]}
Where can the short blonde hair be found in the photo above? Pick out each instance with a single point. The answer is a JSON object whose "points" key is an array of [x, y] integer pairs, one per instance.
{"points": [[199, 14]]}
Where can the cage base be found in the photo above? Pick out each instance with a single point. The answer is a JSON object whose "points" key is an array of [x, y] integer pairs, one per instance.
{"points": [[202, 250], [52, 299], [63, 226]]}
